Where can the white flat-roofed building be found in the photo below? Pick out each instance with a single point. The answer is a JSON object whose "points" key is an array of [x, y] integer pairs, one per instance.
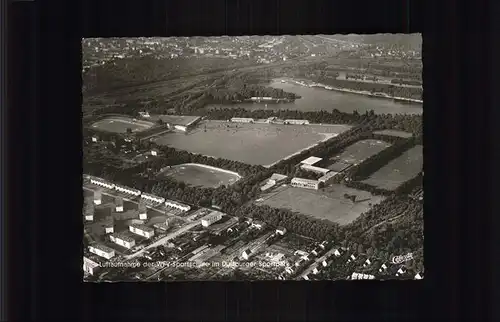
{"points": [[102, 251], [314, 169], [242, 120], [153, 198], [154, 152], [182, 128], [311, 160], [89, 266], [143, 215], [89, 217], [95, 138], [281, 231], [102, 183], [296, 122], [328, 177], [177, 205], [211, 218], [142, 230], [122, 240], [127, 190], [109, 229], [305, 183]]}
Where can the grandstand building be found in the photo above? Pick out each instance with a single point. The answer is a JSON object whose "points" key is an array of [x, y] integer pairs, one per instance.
{"points": [[89, 266], [305, 183], [242, 120], [328, 178], [314, 169], [142, 230], [177, 205], [122, 240], [211, 218], [152, 198], [296, 122], [311, 160], [102, 183], [102, 251], [127, 190]]}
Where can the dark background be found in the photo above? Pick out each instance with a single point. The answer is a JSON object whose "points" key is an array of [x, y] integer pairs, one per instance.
{"points": [[44, 163]]}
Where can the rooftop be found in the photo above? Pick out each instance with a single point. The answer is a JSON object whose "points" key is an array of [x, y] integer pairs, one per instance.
{"points": [[142, 227], [123, 237], [305, 180], [311, 160], [278, 177], [102, 248]]}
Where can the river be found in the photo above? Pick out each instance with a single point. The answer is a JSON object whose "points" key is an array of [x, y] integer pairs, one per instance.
{"points": [[316, 99]]}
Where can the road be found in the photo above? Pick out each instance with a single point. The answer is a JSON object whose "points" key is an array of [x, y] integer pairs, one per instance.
{"points": [[137, 203], [163, 240], [316, 263]]}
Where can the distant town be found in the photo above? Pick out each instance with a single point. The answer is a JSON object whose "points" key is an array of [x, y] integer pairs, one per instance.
{"points": [[253, 158]]}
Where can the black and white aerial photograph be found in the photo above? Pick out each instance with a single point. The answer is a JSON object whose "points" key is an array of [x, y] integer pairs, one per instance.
{"points": [[252, 158]]}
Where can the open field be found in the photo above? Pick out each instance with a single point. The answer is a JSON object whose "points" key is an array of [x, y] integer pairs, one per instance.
{"points": [[397, 133], [174, 119], [121, 124], [398, 170], [328, 204], [201, 175], [257, 144], [360, 151]]}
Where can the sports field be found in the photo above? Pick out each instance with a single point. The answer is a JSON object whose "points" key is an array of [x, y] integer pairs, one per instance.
{"points": [[200, 175], [257, 144], [398, 170], [360, 151], [329, 204], [397, 133], [121, 124]]}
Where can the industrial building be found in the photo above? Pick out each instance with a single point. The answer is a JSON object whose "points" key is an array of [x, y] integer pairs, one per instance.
{"points": [[314, 169], [211, 218], [305, 183], [122, 240], [89, 266], [328, 178], [242, 120], [177, 205], [153, 198], [102, 183], [127, 190], [102, 251], [142, 230], [296, 122], [218, 229]]}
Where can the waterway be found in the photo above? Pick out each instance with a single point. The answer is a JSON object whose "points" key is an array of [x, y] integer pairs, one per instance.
{"points": [[317, 99]]}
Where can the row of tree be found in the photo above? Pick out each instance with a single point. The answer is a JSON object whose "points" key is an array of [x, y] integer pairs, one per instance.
{"points": [[391, 90]]}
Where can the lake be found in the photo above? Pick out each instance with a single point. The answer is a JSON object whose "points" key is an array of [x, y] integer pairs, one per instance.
{"points": [[317, 99]]}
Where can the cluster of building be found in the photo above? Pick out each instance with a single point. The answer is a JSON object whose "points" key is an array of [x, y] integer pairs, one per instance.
{"points": [[360, 276], [177, 205], [308, 165]]}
